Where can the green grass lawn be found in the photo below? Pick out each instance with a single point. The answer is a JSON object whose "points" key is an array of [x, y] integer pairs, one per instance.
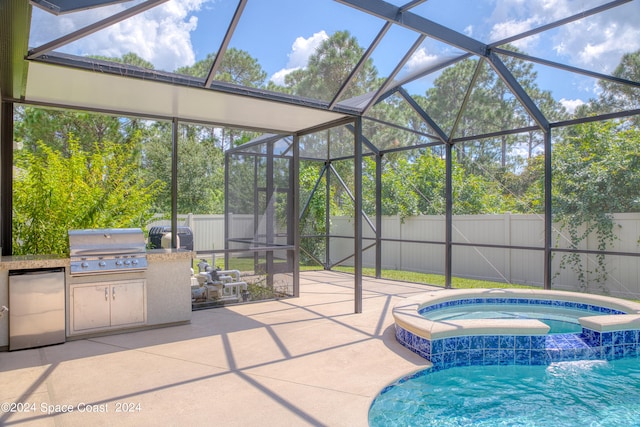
{"points": [[427, 279], [246, 264]]}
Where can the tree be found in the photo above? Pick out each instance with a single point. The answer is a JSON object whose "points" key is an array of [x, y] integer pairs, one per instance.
{"points": [[615, 96], [416, 186], [54, 193], [200, 178], [329, 67], [128, 58], [491, 107], [53, 127], [398, 196], [312, 222], [237, 67], [596, 173]]}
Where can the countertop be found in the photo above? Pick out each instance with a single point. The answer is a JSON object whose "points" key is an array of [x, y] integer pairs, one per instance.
{"points": [[20, 262]]}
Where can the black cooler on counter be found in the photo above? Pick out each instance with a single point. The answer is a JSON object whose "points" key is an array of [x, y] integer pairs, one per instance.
{"points": [[185, 234]]}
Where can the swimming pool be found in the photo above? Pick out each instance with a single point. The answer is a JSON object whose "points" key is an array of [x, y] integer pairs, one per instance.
{"points": [[609, 327], [560, 320], [568, 394]]}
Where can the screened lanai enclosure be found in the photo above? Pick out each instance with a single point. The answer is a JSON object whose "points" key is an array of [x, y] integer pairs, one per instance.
{"points": [[460, 144]]}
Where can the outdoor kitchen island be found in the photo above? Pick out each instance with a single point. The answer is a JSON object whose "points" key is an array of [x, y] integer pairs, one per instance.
{"points": [[164, 287]]}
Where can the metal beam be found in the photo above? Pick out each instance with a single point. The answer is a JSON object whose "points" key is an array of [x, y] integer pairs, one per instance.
{"points": [[340, 122], [327, 205], [597, 118], [560, 22], [548, 212], [448, 235], [566, 67], [411, 147], [357, 226], [382, 89], [518, 91], [257, 142], [495, 134], [417, 23], [378, 260], [418, 109], [360, 64], [365, 141], [225, 43], [294, 210], [395, 126], [467, 96], [227, 217], [269, 213], [340, 261], [411, 5], [315, 187], [419, 75], [174, 183], [351, 196], [6, 177]]}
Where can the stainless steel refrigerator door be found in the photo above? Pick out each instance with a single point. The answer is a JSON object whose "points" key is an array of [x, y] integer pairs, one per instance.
{"points": [[36, 308]]}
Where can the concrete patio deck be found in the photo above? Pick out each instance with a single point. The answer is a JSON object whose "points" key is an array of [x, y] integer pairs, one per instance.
{"points": [[294, 362]]}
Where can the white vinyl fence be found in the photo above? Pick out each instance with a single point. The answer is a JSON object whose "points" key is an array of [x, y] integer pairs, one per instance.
{"points": [[208, 230], [520, 266]]}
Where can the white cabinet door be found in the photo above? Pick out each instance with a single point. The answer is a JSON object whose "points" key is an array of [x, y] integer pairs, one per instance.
{"points": [[107, 305], [91, 306], [127, 303]]}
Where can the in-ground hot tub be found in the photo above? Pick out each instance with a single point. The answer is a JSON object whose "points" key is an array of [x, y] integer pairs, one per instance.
{"points": [[610, 328]]}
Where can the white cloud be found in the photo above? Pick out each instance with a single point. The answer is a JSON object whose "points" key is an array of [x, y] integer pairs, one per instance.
{"points": [[278, 76], [420, 60], [595, 42], [539, 12], [301, 50], [571, 104], [598, 42], [505, 29], [469, 30], [161, 35]]}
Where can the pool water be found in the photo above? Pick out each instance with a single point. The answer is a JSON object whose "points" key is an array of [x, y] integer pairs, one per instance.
{"points": [[560, 320], [569, 394]]}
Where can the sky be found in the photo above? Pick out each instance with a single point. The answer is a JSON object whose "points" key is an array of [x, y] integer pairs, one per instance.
{"points": [[283, 34]]}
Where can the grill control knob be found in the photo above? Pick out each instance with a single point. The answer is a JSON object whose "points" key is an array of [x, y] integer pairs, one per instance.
{"points": [[118, 262], [102, 264], [134, 262], [127, 262], [84, 264]]}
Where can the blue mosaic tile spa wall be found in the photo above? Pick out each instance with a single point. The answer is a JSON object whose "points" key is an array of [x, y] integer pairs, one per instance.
{"points": [[522, 349], [572, 305]]}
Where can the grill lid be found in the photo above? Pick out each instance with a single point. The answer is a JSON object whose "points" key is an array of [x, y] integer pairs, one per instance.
{"points": [[107, 250]]}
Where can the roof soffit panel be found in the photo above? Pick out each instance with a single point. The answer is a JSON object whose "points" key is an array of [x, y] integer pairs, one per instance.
{"points": [[14, 37], [64, 86]]}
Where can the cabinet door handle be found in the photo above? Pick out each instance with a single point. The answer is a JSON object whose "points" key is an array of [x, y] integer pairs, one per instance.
{"points": [[113, 293], [106, 294]]}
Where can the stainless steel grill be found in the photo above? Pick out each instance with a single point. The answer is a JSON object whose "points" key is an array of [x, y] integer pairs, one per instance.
{"points": [[109, 250]]}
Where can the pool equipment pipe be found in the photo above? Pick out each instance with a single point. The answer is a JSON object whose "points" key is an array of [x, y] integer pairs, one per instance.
{"points": [[214, 283]]}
